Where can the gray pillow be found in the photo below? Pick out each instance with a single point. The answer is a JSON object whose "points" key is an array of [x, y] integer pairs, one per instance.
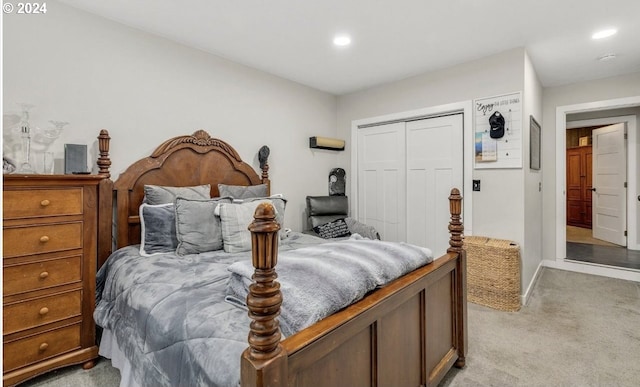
{"points": [[198, 229], [278, 202], [243, 191], [157, 194], [366, 231], [158, 224], [236, 218]]}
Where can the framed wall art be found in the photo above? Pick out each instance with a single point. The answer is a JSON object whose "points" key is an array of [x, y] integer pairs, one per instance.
{"points": [[498, 131], [534, 143]]}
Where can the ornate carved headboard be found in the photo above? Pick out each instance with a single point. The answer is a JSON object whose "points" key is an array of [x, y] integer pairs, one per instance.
{"points": [[181, 161]]}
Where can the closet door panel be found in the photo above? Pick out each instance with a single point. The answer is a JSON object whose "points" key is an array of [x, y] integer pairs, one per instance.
{"points": [[419, 224], [382, 179], [434, 166], [392, 205]]}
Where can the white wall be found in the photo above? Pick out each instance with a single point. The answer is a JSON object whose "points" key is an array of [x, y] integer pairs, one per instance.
{"points": [[580, 93], [532, 106], [497, 74], [95, 73], [499, 209]]}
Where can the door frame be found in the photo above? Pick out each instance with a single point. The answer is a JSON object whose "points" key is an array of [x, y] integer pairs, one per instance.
{"points": [[632, 157], [465, 108]]}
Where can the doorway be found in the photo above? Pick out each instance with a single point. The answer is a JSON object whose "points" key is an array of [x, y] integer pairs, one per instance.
{"points": [[607, 112], [596, 194]]}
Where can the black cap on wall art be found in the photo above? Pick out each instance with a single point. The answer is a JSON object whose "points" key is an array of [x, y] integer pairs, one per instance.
{"points": [[496, 121]]}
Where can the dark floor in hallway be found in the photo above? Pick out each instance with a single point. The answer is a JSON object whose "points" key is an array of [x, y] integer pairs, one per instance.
{"points": [[604, 255]]}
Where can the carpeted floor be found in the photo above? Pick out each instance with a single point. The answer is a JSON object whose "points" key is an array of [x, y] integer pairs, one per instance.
{"points": [[577, 330]]}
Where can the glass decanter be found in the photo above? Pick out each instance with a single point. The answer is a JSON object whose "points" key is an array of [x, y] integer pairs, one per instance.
{"points": [[48, 136], [25, 134], [54, 133]]}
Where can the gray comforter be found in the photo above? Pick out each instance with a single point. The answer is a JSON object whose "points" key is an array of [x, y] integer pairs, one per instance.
{"points": [[318, 281], [170, 318]]}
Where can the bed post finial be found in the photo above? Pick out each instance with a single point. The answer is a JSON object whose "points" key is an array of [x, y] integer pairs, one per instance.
{"points": [[263, 157], [104, 162], [264, 362], [264, 298], [456, 229], [455, 225]]}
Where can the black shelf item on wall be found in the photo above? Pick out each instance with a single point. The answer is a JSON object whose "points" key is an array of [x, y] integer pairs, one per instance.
{"points": [[337, 182]]}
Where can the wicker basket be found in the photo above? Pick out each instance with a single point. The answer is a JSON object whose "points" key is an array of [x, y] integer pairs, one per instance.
{"points": [[493, 272]]}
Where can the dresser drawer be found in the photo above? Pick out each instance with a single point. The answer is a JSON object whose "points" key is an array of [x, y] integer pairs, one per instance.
{"points": [[41, 239], [40, 275], [41, 202], [29, 314], [32, 349]]}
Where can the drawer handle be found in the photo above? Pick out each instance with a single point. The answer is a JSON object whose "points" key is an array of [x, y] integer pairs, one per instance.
{"points": [[44, 239], [44, 311], [44, 346], [44, 275], [45, 203]]}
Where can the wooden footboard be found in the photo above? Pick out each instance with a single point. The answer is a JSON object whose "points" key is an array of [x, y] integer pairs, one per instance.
{"points": [[409, 333]]}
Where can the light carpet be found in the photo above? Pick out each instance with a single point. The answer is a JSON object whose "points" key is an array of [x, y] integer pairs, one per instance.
{"points": [[577, 330]]}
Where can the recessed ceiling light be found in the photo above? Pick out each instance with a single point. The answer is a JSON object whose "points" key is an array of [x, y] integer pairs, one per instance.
{"points": [[342, 40], [604, 33], [606, 57]]}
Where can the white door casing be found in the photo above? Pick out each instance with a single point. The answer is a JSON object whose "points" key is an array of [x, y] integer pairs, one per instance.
{"points": [[609, 177], [434, 166], [382, 180]]}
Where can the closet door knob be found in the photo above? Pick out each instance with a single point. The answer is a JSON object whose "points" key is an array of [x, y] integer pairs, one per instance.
{"points": [[593, 189], [45, 203], [44, 239]]}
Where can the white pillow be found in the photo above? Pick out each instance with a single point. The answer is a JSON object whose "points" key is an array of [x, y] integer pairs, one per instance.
{"points": [[235, 219]]}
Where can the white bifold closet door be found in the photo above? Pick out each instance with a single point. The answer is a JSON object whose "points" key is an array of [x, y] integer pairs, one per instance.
{"points": [[382, 179], [405, 173]]}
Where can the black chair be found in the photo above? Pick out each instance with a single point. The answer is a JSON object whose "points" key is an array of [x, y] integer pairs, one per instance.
{"points": [[325, 209]]}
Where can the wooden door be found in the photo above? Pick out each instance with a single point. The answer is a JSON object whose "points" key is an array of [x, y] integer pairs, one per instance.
{"points": [[579, 177], [574, 187]]}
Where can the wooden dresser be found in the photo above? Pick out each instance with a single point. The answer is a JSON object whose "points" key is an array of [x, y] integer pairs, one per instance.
{"points": [[50, 235]]}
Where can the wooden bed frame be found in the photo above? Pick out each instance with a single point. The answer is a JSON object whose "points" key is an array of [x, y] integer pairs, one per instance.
{"points": [[409, 333]]}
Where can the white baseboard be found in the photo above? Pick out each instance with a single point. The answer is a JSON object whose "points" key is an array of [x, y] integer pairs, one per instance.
{"points": [[593, 268], [524, 298]]}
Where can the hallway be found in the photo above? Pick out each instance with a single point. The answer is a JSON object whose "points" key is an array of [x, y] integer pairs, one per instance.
{"points": [[582, 247]]}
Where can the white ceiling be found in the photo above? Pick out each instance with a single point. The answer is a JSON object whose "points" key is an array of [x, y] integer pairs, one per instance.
{"points": [[391, 40]]}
